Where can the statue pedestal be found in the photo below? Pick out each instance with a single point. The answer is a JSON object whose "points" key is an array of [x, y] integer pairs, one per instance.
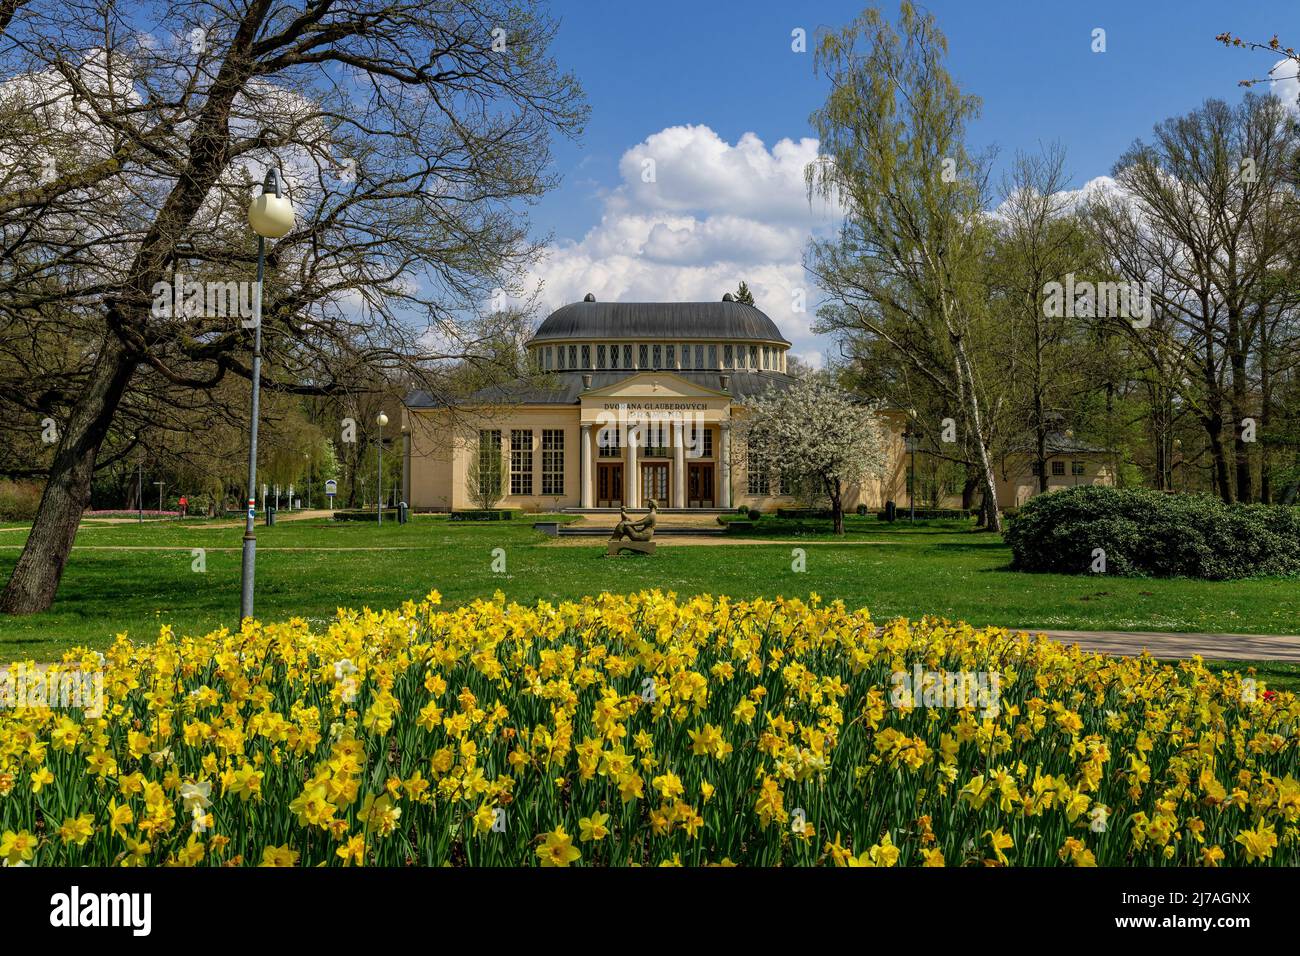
{"points": [[640, 547]]}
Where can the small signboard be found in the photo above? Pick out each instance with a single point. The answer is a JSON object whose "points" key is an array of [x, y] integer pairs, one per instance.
{"points": [[331, 489]]}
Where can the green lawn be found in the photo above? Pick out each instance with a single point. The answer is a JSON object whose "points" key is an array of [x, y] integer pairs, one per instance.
{"points": [[937, 568]]}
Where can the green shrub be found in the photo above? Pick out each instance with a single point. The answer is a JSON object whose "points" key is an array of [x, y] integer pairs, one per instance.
{"points": [[1151, 533], [754, 514], [483, 514], [390, 514], [18, 500]]}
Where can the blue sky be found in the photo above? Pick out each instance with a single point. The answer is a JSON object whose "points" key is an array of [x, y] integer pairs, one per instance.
{"points": [[728, 67]]}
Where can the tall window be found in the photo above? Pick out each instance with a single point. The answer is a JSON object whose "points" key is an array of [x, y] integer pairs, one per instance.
{"points": [[760, 482], [489, 461], [700, 442], [559, 355], [586, 357], [753, 356], [613, 356], [658, 358], [686, 356], [670, 356], [521, 461], [627, 356], [552, 461], [547, 358], [573, 356], [728, 356], [713, 357], [643, 356], [608, 442], [600, 355]]}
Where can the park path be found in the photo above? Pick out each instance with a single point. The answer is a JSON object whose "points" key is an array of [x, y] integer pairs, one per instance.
{"points": [[1225, 647]]}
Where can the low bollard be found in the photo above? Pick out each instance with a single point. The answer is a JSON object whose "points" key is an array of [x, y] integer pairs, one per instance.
{"points": [[402, 512], [270, 516]]}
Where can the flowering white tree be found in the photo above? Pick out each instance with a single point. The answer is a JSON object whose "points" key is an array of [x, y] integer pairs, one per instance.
{"points": [[815, 432]]}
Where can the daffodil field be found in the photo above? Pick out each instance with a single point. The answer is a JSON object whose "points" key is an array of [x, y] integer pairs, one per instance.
{"points": [[625, 730]]}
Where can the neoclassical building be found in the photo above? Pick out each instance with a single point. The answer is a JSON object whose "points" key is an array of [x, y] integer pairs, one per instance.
{"points": [[636, 401]]}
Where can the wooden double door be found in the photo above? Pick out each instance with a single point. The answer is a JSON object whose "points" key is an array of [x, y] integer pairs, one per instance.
{"points": [[654, 483], [699, 484], [609, 484]]}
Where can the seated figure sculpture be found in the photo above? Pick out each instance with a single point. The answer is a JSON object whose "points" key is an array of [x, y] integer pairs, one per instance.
{"points": [[634, 535]]}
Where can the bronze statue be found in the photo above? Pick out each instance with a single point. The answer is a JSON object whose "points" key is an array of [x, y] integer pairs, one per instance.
{"points": [[637, 532]]}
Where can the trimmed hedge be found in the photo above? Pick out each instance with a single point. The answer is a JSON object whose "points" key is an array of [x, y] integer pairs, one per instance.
{"points": [[903, 513], [390, 514], [478, 514], [1148, 533]]}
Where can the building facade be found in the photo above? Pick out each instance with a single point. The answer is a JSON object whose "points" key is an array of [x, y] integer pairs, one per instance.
{"points": [[634, 401]]}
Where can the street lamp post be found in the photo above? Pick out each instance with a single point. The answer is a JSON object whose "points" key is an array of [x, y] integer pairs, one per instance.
{"points": [[910, 436], [381, 420], [271, 216], [160, 488]]}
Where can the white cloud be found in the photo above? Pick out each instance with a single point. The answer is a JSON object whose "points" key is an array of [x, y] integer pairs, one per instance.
{"points": [[1285, 83], [712, 214]]}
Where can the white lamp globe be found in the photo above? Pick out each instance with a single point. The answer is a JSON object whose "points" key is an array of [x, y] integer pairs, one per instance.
{"points": [[382, 420], [270, 215]]}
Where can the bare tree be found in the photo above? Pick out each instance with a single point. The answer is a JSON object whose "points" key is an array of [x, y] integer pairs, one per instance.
{"points": [[408, 134]]}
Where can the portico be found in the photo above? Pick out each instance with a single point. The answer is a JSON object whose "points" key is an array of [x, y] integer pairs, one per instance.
{"points": [[655, 435]]}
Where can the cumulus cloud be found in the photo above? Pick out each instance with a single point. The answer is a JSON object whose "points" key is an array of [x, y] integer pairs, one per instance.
{"points": [[692, 216], [1285, 83]]}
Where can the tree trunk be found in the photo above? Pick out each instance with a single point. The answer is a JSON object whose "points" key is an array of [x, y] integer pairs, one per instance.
{"points": [[837, 505], [1218, 452], [993, 516], [1241, 454], [36, 576]]}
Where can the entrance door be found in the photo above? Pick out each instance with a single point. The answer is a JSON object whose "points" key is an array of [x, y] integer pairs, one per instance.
{"points": [[699, 485], [609, 484], [654, 483]]}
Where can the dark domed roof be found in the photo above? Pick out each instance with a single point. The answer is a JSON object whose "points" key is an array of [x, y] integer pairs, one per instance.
{"points": [[659, 320]]}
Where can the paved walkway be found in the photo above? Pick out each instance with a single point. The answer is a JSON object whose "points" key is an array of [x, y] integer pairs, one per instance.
{"points": [[1227, 647]]}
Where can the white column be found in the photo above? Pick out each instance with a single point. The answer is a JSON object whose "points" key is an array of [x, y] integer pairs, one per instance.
{"points": [[724, 466], [632, 483], [584, 474], [679, 466]]}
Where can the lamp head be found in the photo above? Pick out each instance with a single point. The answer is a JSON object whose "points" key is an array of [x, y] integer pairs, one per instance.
{"points": [[271, 214], [381, 420]]}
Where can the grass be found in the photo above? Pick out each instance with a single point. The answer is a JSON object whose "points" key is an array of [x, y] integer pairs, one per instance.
{"points": [[938, 567]]}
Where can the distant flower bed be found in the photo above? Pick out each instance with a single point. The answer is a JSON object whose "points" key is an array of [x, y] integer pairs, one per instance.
{"points": [[641, 730]]}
